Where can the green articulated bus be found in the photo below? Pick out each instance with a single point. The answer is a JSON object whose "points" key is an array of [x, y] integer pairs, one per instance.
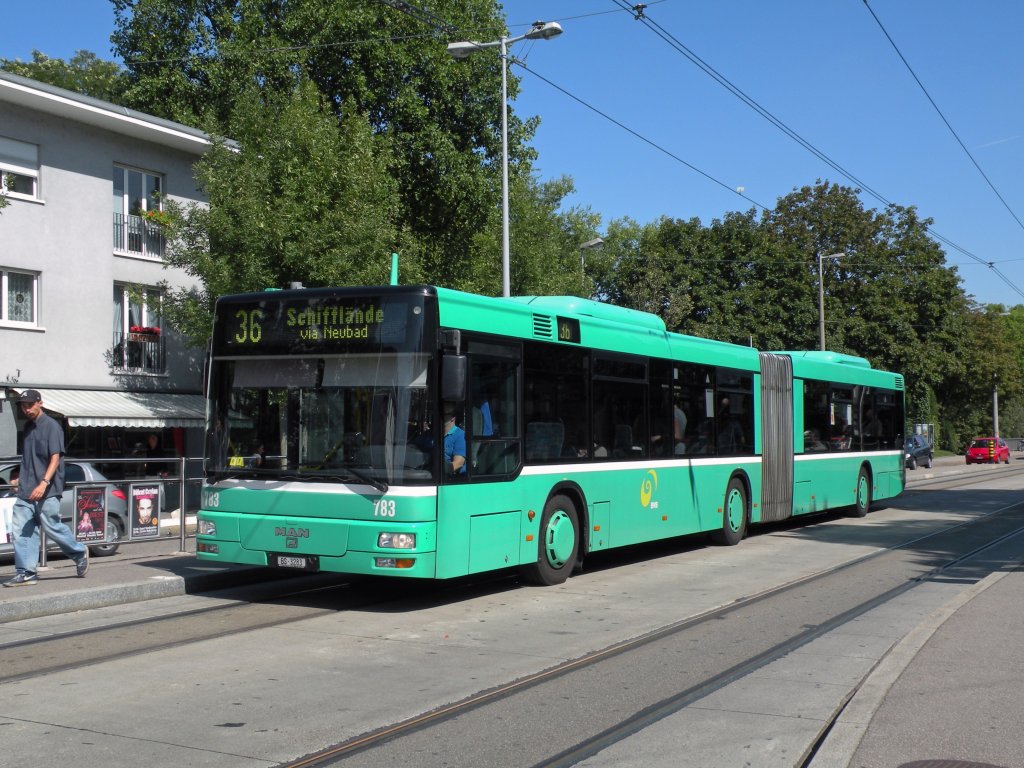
{"points": [[585, 426]]}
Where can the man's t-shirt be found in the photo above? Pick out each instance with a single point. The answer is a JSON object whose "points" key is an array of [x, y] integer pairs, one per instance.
{"points": [[43, 438], [455, 445]]}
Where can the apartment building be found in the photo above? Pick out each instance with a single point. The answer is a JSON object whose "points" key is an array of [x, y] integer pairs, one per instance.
{"points": [[81, 255]]}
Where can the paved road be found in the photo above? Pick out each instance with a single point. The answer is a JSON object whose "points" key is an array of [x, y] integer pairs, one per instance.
{"points": [[268, 696]]}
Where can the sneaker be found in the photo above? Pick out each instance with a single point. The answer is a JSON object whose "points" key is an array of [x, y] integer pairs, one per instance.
{"points": [[22, 580], [82, 567]]}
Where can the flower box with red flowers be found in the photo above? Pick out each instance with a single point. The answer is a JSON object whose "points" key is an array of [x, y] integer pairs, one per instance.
{"points": [[143, 333]]}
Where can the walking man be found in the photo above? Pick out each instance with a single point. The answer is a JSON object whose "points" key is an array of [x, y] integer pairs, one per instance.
{"points": [[39, 489]]}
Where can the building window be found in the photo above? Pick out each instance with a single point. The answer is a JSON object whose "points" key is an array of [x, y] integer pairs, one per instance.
{"points": [[19, 169], [136, 198], [139, 344], [18, 297]]}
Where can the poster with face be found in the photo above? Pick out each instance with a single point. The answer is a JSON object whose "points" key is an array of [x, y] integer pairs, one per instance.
{"points": [[145, 500], [90, 520]]}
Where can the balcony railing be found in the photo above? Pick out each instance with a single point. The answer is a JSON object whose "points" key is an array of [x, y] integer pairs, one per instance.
{"points": [[139, 353], [133, 234]]}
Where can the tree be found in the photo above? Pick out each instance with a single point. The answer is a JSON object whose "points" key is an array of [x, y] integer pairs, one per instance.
{"points": [[299, 197], [83, 73], [437, 120], [638, 269], [890, 298]]}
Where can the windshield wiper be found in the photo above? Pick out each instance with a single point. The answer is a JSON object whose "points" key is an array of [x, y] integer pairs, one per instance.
{"points": [[366, 477]]}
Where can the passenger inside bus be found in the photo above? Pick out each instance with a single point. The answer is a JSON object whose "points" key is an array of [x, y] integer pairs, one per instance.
{"points": [[679, 429]]}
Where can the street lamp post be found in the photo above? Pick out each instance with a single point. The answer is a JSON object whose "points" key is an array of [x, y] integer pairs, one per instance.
{"points": [[597, 242], [995, 408], [821, 297], [540, 31]]}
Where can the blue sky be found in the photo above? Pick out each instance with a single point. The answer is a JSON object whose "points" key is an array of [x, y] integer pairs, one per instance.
{"points": [[822, 67]]}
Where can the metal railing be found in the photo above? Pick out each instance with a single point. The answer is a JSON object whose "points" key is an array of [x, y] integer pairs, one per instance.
{"points": [[139, 352], [133, 234], [176, 477]]}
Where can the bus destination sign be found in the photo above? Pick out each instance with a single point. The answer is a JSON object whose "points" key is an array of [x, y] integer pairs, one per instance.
{"points": [[314, 323]]}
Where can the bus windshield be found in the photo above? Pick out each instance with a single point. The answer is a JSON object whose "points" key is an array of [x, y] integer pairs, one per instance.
{"points": [[361, 418], [331, 385]]}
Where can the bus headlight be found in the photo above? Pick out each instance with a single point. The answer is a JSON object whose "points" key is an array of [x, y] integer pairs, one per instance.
{"points": [[207, 527], [396, 540]]}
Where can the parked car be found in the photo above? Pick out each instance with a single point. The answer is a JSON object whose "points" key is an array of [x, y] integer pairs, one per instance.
{"points": [[918, 451], [76, 471], [988, 450]]}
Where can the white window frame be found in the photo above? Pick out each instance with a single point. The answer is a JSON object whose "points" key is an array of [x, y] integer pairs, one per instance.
{"points": [[144, 202], [5, 310], [19, 158], [142, 228]]}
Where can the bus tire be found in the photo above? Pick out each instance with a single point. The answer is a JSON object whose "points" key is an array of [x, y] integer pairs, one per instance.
{"points": [[558, 544], [862, 502], [734, 515]]}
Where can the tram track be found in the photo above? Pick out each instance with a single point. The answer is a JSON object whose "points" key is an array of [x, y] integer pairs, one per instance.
{"points": [[947, 549], [25, 659]]}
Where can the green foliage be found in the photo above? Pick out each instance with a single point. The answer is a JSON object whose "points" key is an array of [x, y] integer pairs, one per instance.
{"points": [[435, 119], [84, 73], [411, 163], [301, 197]]}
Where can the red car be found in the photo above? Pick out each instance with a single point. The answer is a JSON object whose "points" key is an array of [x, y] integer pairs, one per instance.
{"points": [[988, 450]]}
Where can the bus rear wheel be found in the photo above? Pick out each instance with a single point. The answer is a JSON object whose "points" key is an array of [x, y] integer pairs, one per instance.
{"points": [[734, 515], [558, 545], [863, 500]]}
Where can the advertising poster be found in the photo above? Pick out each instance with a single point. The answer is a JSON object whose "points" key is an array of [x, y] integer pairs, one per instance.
{"points": [[90, 513], [145, 501]]}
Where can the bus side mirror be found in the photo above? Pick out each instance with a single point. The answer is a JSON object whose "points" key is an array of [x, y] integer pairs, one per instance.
{"points": [[453, 378]]}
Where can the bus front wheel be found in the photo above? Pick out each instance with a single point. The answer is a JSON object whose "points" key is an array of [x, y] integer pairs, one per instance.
{"points": [[734, 515], [558, 545]]}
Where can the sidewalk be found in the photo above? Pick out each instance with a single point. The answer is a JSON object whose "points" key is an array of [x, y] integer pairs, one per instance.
{"points": [[140, 571], [949, 695]]}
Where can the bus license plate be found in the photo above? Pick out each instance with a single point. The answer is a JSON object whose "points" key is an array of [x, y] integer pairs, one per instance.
{"points": [[306, 563]]}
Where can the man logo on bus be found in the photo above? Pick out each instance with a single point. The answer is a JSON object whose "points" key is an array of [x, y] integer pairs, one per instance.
{"points": [[648, 487]]}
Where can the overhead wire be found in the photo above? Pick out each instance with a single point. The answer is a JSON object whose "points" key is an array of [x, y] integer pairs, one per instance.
{"points": [[637, 135], [640, 15], [941, 115]]}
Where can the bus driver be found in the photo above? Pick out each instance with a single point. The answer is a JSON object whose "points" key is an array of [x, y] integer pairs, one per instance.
{"points": [[454, 443]]}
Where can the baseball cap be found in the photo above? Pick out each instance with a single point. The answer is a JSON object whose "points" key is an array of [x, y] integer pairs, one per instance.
{"points": [[29, 396]]}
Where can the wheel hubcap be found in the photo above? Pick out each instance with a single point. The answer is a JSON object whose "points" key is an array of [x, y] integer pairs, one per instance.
{"points": [[734, 510], [862, 492], [559, 539]]}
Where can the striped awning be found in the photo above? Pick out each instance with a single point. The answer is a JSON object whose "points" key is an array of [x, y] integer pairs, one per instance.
{"points": [[102, 408]]}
